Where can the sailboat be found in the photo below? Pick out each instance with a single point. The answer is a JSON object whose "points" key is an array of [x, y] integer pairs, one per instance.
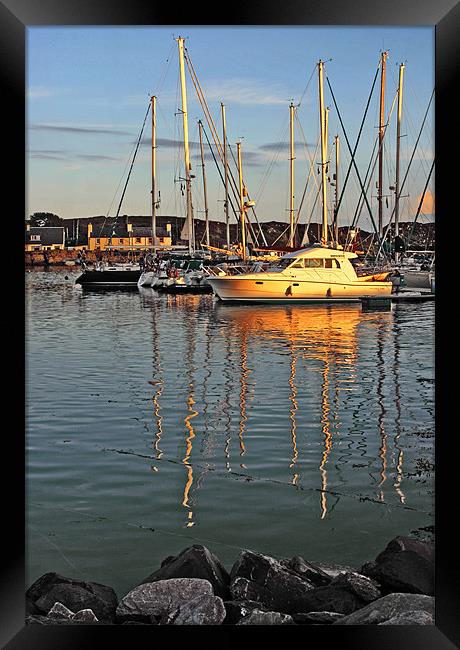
{"points": [[317, 273]]}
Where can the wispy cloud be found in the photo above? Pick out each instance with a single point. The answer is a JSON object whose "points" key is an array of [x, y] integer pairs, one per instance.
{"points": [[68, 157], [71, 128], [280, 146], [246, 91], [37, 92]]}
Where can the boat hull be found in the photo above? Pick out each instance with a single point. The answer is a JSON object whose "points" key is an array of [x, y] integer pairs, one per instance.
{"points": [[108, 279], [234, 289]]}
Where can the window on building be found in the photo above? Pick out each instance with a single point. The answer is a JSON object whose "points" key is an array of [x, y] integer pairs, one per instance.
{"points": [[34, 237], [162, 239], [150, 240], [98, 241], [138, 240], [121, 241]]}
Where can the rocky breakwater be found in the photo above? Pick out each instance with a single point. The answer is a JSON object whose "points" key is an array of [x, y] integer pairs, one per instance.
{"points": [[194, 588]]}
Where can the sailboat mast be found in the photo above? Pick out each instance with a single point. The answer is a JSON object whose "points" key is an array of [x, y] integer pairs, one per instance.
{"points": [[242, 213], [398, 143], [189, 216], [291, 210], [381, 135], [154, 216], [224, 137], [336, 197], [323, 150], [200, 125]]}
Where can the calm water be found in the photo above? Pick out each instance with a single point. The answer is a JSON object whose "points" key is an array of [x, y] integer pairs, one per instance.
{"points": [[156, 422]]}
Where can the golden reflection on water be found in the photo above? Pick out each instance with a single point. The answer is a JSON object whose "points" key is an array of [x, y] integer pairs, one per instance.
{"points": [[325, 334]]}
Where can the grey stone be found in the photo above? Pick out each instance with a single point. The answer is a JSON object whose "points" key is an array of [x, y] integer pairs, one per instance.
{"points": [[267, 581], [311, 572], [203, 610], [317, 618], [388, 607], [59, 610], [405, 566], [74, 594], [153, 602], [362, 586], [417, 617], [194, 562], [86, 615], [331, 599], [258, 617], [237, 609]]}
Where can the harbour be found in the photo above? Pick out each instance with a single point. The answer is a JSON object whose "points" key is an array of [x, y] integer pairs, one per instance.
{"points": [[219, 392]]}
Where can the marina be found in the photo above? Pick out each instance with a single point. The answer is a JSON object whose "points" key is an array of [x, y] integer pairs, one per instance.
{"points": [[233, 362]]}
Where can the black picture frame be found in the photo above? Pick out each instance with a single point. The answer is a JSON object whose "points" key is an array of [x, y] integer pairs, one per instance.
{"points": [[15, 17]]}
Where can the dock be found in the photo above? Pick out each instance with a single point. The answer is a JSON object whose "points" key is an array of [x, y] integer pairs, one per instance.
{"points": [[370, 303]]}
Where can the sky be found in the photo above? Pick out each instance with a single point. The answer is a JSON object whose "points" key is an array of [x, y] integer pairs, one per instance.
{"points": [[88, 91]]}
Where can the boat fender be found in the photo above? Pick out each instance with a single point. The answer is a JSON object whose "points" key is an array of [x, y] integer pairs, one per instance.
{"points": [[329, 293], [288, 291]]}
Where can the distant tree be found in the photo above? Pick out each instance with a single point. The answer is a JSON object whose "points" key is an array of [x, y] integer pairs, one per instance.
{"points": [[45, 219]]}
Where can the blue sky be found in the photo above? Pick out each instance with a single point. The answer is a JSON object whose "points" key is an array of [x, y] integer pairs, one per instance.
{"points": [[88, 90]]}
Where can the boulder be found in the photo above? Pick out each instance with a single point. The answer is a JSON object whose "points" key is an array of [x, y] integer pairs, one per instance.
{"points": [[405, 566], [267, 581], [388, 607], [49, 620], [194, 562], [74, 594], [257, 617], [154, 602], [59, 610], [417, 617], [331, 599], [237, 609], [317, 618], [86, 615], [203, 610], [362, 586], [310, 572]]}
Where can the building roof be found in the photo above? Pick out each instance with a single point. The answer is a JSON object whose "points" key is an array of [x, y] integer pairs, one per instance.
{"points": [[48, 235]]}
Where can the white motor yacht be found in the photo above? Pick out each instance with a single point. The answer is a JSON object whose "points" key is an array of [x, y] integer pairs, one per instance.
{"points": [[314, 274]]}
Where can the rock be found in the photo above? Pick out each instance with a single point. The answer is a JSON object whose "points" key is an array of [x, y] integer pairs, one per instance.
{"points": [[257, 617], [405, 566], [86, 615], [154, 602], [388, 607], [333, 570], [49, 620], [417, 617], [362, 586], [237, 609], [317, 618], [59, 610], [331, 599], [311, 572], [203, 610], [31, 607], [265, 580], [74, 594], [194, 562]]}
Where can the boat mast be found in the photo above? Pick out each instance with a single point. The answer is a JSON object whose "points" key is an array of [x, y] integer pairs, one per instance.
{"points": [[291, 211], [189, 216], [242, 207], [336, 197], [200, 125], [224, 137], [398, 143], [154, 216], [323, 150], [381, 135]]}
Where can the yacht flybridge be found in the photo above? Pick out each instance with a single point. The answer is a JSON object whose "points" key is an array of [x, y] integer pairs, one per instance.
{"points": [[313, 274]]}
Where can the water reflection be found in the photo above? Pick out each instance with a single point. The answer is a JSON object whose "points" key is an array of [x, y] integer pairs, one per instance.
{"points": [[317, 349]]}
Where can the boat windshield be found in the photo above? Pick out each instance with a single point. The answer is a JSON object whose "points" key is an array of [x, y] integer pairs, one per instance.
{"points": [[282, 263]]}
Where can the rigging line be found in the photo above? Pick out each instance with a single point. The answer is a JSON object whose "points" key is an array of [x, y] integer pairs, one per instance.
{"points": [[250, 226], [407, 170], [310, 173], [360, 204], [352, 162], [420, 204], [132, 163], [216, 138], [308, 83]]}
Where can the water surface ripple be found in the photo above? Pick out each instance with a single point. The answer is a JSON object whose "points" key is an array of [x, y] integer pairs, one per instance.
{"points": [[155, 422]]}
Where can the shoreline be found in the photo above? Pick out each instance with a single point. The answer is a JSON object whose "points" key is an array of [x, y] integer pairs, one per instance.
{"points": [[194, 588]]}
